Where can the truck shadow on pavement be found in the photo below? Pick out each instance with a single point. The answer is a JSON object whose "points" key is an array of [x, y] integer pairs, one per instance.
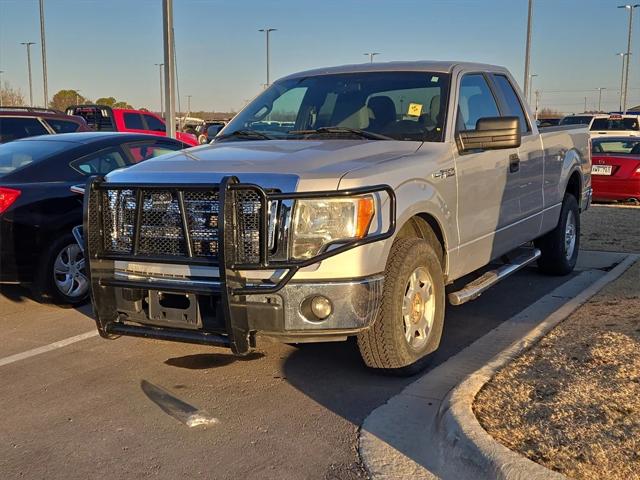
{"points": [[205, 361]]}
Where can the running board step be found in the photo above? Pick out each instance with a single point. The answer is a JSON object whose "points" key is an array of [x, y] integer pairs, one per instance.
{"points": [[474, 289]]}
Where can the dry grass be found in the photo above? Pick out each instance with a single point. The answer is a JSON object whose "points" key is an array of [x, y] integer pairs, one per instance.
{"points": [[611, 228], [572, 402]]}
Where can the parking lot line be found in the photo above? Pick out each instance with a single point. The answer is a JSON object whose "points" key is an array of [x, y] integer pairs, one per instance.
{"points": [[46, 348]]}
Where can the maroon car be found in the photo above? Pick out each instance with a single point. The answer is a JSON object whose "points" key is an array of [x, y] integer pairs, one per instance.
{"points": [[22, 122]]}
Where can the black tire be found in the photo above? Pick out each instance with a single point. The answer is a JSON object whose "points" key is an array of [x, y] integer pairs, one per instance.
{"points": [[384, 346], [45, 288], [555, 259]]}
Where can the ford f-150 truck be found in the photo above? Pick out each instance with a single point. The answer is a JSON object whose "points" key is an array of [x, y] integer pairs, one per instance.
{"points": [[347, 201]]}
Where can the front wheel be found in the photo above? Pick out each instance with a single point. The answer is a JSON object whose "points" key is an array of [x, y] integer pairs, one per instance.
{"points": [[560, 246], [410, 321], [63, 276]]}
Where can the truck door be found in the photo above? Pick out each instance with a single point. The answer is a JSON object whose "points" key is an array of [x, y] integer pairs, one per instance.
{"points": [[530, 155], [488, 202]]}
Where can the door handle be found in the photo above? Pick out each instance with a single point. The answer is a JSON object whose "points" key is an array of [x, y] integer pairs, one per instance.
{"points": [[514, 163]]}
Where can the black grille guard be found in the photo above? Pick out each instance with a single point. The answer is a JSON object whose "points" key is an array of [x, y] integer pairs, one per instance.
{"points": [[231, 285]]}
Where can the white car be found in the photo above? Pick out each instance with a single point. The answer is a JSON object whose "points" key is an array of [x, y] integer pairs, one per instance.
{"points": [[615, 124]]}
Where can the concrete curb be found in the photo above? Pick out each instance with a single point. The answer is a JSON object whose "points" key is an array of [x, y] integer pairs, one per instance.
{"points": [[429, 430]]}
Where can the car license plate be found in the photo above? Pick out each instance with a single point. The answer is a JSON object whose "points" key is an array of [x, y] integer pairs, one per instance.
{"points": [[601, 170]]}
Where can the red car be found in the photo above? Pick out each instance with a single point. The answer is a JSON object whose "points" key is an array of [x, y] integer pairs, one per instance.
{"points": [[615, 171], [105, 118]]}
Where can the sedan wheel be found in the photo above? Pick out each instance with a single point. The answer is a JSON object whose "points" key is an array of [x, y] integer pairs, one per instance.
{"points": [[69, 274]]}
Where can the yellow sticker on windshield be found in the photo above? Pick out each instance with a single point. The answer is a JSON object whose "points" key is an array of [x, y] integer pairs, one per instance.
{"points": [[415, 109]]}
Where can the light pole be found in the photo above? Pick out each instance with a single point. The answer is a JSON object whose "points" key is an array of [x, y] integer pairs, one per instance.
{"points": [[527, 54], [267, 31], [371, 55], [585, 105], [77, 97], [624, 57], [531, 77], [189, 105], [537, 103], [44, 55], [626, 73], [160, 65], [600, 98], [28, 45], [1, 72], [169, 68]]}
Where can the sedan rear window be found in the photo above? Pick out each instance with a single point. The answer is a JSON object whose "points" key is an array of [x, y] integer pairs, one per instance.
{"points": [[615, 124], [16, 155], [618, 146], [576, 120], [13, 128], [62, 126]]}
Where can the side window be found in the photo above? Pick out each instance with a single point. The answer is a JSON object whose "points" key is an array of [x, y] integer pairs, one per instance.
{"points": [[145, 151], [62, 126], [133, 121], [154, 123], [100, 163], [514, 107], [15, 128], [475, 102]]}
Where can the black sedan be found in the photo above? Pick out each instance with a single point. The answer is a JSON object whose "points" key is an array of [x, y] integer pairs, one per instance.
{"points": [[38, 210]]}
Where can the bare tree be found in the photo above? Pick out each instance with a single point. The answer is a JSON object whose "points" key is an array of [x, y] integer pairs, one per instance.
{"points": [[9, 96]]}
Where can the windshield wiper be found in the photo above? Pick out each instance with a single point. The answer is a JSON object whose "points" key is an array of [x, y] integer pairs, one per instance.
{"points": [[248, 134], [341, 131]]}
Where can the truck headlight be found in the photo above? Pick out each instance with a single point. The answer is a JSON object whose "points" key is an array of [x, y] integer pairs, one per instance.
{"points": [[318, 222]]}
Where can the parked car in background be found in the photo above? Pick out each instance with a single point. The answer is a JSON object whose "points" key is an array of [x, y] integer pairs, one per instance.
{"points": [[22, 122], [209, 130], [106, 119], [615, 171], [577, 119], [38, 211], [549, 122], [616, 125], [340, 202]]}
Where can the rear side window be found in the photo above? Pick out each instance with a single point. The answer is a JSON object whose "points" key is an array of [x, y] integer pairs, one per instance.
{"points": [[514, 107], [615, 124], [154, 124], [101, 163], [475, 102], [133, 121], [62, 126], [15, 128]]}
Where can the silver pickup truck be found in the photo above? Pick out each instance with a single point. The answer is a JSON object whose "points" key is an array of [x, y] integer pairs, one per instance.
{"points": [[347, 201]]}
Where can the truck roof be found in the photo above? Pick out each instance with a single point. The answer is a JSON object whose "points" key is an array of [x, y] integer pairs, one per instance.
{"points": [[417, 66]]}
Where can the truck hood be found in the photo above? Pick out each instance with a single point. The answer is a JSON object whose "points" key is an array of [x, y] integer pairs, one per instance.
{"points": [[270, 163]]}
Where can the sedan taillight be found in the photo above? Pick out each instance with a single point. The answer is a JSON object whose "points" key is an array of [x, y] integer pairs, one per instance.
{"points": [[7, 197]]}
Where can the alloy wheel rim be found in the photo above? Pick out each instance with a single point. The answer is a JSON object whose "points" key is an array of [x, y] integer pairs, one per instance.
{"points": [[418, 308], [69, 274], [570, 236]]}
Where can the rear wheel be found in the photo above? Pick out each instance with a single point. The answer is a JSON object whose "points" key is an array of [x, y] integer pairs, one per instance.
{"points": [[560, 246], [63, 277], [410, 321]]}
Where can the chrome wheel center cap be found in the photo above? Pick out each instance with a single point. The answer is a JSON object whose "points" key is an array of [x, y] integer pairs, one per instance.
{"points": [[417, 308]]}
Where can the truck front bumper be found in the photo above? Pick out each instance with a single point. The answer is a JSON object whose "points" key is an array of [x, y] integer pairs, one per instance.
{"points": [[199, 317]]}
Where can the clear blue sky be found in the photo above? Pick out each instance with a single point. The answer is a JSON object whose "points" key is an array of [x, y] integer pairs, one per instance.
{"points": [[108, 47]]}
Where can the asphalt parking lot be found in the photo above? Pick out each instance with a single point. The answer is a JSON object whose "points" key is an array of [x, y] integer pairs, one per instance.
{"points": [[91, 409]]}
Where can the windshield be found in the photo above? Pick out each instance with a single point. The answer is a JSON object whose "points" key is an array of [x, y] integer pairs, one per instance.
{"points": [[576, 120], [615, 123], [624, 146], [15, 155], [392, 105]]}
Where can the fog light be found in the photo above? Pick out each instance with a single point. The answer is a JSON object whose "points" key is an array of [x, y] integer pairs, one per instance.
{"points": [[321, 307]]}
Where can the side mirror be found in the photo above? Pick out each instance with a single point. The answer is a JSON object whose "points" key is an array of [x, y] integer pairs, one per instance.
{"points": [[491, 133]]}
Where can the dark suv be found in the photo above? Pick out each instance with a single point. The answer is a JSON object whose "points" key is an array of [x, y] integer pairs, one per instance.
{"points": [[21, 122]]}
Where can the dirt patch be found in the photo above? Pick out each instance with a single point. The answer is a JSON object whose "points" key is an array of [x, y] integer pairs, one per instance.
{"points": [[572, 402], [611, 228]]}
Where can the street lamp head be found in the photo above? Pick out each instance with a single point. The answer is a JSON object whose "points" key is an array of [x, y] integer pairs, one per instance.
{"points": [[629, 7], [268, 30]]}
